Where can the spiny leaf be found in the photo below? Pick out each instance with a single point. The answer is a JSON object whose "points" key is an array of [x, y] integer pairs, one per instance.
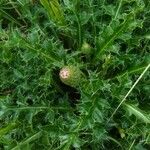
{"points": [[132, 70], [54, 10], [132, 109], [28, 140], [7, 129], [121, 28]]}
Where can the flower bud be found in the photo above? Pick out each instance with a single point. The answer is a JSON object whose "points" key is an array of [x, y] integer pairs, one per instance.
{"points": [[70, 75]]}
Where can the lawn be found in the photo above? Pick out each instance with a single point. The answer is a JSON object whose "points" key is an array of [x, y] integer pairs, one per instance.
{"points": [[74, 75]]}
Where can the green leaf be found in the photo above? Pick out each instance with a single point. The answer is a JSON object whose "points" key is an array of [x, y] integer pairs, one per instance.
{"points": [[132, 109], [28, 140], [54, 11], [7, 129], [116, 33]]}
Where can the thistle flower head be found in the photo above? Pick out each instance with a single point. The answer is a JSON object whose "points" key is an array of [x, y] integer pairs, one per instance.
{"points": [[70, 75], [64, 73]]}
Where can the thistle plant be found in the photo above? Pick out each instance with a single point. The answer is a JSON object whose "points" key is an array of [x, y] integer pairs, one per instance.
{"points": [[74, 75]]}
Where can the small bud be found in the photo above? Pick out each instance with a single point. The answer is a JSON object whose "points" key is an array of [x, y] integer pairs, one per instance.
{"points": [[70, 75], [86, 48]]}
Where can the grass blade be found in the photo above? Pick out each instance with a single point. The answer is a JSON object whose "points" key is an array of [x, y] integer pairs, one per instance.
{"points": [[10, 18]]}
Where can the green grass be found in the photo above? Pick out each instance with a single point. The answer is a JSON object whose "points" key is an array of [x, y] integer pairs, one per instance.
{"points": [[109, 109]]}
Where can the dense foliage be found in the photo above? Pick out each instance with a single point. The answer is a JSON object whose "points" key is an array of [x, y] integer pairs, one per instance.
{"points": [[108, 40]]}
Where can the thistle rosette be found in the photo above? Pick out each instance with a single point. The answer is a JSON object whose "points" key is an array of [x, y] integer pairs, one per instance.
{"points": [[70, 75]]}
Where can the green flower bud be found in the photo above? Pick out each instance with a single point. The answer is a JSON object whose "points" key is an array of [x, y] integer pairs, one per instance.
{"points": [[70, 75], [86, 48]]}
